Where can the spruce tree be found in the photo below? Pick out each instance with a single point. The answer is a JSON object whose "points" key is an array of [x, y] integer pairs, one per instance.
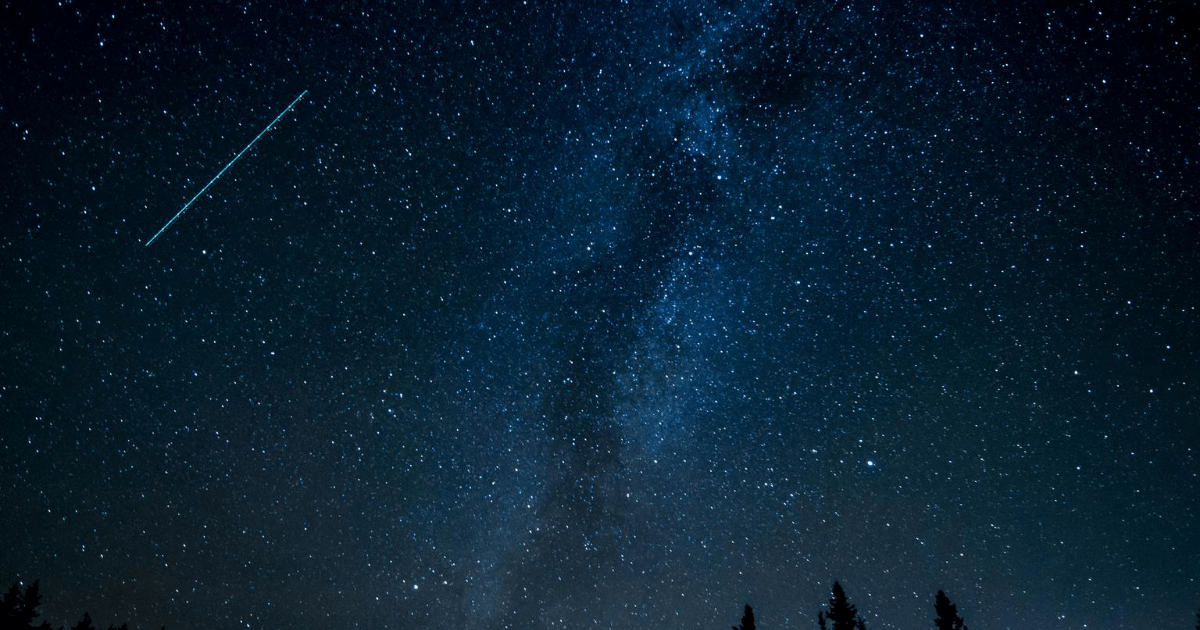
{"points": [[85, 623], [33, 599], [18, 610], [747, 620], [10, 607], [947, 614], [842, 614]]}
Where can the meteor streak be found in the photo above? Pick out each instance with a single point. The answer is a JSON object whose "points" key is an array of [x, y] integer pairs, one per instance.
{"points": [[235, 158]]}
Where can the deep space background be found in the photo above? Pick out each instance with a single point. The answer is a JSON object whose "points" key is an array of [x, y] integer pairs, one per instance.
{"points": [[539, 314]]}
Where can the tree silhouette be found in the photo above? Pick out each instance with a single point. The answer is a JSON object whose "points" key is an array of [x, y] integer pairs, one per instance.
{"points": [[18, 610], [842, 614], [947, 614], [9, 607], [84, 624], [747, 620]]}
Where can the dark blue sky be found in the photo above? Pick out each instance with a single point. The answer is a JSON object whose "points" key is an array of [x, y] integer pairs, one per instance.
{"points": [[601, 315]]}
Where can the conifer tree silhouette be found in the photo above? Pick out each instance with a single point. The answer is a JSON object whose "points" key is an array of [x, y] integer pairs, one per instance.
{"points": [[842, 614], [18, 610], [747, 620], [9, 607], [947, 614], [84, 624]]}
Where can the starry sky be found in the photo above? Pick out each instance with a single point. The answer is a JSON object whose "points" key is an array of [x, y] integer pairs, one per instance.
{"points": [[612, 314]]}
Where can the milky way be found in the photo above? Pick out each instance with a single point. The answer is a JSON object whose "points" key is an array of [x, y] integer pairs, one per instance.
{"points": [[603, 314]]}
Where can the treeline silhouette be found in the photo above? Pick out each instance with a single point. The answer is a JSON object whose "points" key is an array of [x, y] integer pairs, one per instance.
{"points": [[18, 610], [842, 615]]}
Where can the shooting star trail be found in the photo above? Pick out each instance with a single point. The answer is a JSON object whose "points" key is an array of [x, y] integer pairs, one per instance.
{"points": [[235, 158]]}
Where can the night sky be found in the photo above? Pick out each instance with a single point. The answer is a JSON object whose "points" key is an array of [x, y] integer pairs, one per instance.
{"points": [[552, 314]]}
